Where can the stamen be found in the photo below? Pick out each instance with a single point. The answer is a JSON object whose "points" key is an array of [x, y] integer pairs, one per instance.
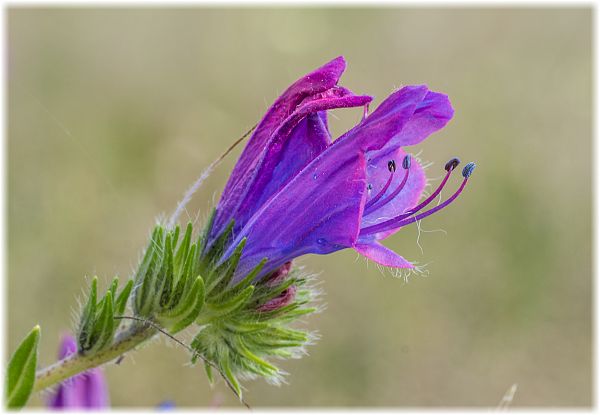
{"points": [[373, 205], [401, 220], [449, 167], [392, 169], [452, 163]]}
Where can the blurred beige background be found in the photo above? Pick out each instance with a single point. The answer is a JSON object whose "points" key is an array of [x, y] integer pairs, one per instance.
{"points": [[112, 113]]}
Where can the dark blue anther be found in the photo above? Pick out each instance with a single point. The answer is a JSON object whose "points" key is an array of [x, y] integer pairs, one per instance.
{"points": [[468, 170], [392, 166], [406, 162]]}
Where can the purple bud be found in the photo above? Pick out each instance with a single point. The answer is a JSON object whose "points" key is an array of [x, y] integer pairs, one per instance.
{"points": [[281, 300], [86, 390]]}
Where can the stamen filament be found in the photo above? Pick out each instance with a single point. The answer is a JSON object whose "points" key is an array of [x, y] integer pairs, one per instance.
{"points": [[374, 206], [401, 220], [381, 193], [429, 199]]}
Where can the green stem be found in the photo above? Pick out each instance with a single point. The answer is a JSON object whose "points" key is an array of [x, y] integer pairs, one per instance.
{"points": [[77, 363]]}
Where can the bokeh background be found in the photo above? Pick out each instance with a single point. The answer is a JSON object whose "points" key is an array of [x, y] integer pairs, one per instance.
{"points": [[112, 113]]}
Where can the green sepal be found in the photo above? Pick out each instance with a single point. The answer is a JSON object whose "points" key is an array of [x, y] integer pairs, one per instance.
{"points": [[184, 245], [164, 283], [121, 301], [186, 311], [203, 238], [88, 318], [224, 273], [209, 373], [230, 377], [266, 366], [102, 333], [146, 274], [20, 374], [222, 309], [113, 287], [216, 250], [184, 281], [245, 282], [241, 327]]}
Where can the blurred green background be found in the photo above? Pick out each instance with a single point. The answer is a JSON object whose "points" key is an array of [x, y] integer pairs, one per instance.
{"points": [[112, 113]]}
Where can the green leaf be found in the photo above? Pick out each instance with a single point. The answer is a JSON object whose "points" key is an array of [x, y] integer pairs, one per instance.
{"points": [[20, 375]]}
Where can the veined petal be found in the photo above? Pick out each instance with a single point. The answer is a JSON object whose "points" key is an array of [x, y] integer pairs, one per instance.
{"points": [[377, 176], [381, 126], [405, 118], [382, 255], [278, 157], [246, 188], [431, 115], [318, 212]]}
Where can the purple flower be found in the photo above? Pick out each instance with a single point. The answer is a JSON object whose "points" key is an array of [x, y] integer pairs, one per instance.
{"points": [[294, 191], [85, 391]]}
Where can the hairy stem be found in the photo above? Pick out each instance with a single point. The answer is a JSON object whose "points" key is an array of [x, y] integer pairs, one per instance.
{"points": [[77, 363]]}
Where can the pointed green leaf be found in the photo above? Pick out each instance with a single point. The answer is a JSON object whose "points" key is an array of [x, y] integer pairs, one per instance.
{"points": [[121, 301], [203, 237], [236, 302], [209, 373], [88, 317], [20, 374], [187, 311], [257, 360], [248, 279], [175, 234], [224, 273], [184, 246], [242, 327], [103, 328], [230, 376], [113, 287], [216, 250], [165, 282]]}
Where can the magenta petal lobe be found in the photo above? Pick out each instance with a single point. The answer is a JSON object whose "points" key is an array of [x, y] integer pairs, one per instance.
{"points": [[382, 255]]}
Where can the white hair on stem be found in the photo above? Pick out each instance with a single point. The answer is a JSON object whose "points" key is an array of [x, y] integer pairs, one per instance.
{"points": [[187, 196]]}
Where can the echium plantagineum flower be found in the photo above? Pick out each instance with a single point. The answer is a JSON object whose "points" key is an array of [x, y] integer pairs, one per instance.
{"points": [[295, 191]]}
